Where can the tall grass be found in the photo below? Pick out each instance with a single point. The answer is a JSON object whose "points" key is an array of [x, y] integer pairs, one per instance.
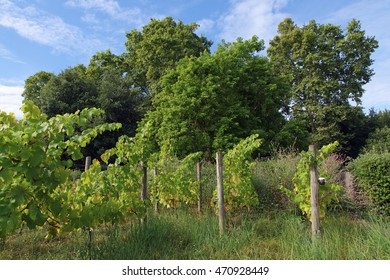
{"points": [[185, 235]]}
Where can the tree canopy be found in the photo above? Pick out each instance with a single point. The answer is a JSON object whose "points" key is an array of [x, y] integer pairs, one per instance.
{"points": [[211, 102], [327, 68], [160, 45]]}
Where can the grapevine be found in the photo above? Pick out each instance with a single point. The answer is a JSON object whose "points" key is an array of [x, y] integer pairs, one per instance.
{"points": [[176, 182], [36, 155], [239, 191], [301, 182]]}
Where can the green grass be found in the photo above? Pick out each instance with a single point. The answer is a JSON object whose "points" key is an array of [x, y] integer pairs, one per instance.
{"points": [[184, 235]]}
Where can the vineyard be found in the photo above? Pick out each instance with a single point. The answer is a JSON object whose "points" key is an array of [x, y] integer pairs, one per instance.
{"points": [[131, 188], [37, 189]]}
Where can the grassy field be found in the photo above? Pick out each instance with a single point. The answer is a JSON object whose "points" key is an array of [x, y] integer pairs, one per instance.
{"points": [[184, 235]]}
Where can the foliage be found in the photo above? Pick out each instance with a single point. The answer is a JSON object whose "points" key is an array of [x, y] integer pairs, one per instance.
{"points": [[176, 182], [239, 191], [379, 141], [121, 103], [371, 170], [354, 127], [269, 174], [35, 160], [301, 194], [379, 119], [150, 53], [33, 87], [102, 84], [101, 62], [293, 134], [211, 102], [326, 67], [69, 91]]}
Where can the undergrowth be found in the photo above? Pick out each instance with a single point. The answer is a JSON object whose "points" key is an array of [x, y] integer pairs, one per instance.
{"points": [[185, 235]]}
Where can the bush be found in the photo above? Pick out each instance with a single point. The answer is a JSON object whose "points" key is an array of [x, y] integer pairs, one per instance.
{"points": [[372, 172]]}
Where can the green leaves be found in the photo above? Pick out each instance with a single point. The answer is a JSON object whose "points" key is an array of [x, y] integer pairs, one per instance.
{"points": [[176, 182], [34, 163], [371, 171], [327, 67], [210, 102], [300, 193], [155, 50], [239, 191]]}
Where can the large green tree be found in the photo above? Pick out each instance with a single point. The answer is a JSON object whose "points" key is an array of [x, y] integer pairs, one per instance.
{"points": [[33, 87], [209, 103], [69, 91], [150, 53], [327, 67]]}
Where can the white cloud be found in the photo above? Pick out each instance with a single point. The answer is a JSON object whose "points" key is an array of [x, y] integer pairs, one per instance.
{"points": [[109, 7], [11, 99], [205, 26], [8, 55], [44, 29], [252, 17]]}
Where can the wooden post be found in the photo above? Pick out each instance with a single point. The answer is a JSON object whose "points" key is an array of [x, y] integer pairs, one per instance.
{"points": [[315, 219], [221, 206], [144, 182], [88, 161], [199, 178], [156, 208]]}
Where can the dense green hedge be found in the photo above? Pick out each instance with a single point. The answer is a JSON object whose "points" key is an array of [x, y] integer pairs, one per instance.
{"points": [[372, 171]]}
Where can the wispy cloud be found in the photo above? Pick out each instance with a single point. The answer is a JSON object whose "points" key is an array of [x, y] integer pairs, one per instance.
{"points": [[8, 55], [45, 29], [205, 26], [252, 17], [111, 8], [11, 99]]}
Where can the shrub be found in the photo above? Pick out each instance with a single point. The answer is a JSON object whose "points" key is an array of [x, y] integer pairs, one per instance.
{"points": [[372, 172]]}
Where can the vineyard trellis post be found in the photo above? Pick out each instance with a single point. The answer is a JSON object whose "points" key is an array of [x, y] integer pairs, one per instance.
{"points": [[155, 172], [199, 178], [221, 206], [88, 161], [144, 182], [315, 219]]}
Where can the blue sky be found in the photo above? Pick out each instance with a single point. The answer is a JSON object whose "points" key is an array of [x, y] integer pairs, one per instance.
{"points": [[52, 35]]}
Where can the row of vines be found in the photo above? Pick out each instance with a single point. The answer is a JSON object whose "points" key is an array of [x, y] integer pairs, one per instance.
{"points": [[37, 155]]}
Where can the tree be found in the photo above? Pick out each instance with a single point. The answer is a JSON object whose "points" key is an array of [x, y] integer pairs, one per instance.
{"points": [[33, 87], [211, 102], [68, 92], [102, 62], [121, 103], [150, 53], [327, 68]]}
